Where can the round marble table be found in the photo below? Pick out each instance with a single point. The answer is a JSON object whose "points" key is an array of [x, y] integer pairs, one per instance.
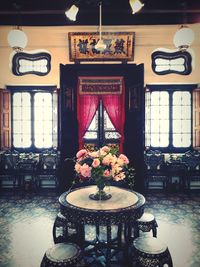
{"points": [[121, 210], [124, 206]]}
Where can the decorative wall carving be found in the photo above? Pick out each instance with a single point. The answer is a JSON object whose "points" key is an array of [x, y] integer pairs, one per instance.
{"points": [[100, 85]]}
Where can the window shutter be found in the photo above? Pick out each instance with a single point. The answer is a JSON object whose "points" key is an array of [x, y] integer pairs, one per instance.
{"points": [[55, 118], [5, 121], [196, 118]]}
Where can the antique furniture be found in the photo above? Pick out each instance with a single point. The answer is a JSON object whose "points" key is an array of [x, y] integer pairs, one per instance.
{"points": [[192, 161], [63, 231], [121, 211], [155, 170], [146, 223], [63, 255], [8, 169], [47, 171], [150, 252], [177, 172], [26, 170]]}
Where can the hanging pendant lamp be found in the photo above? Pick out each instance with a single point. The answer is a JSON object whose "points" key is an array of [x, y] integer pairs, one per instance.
{"points": [[17, 39], [183, 37], [72, 12], [136, 5]]}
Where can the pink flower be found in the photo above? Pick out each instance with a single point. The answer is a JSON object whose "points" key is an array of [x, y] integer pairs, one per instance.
{"points": [[96, 163], [120, 176], [81, 153], [93, 154], [124, 158], [105, 149], [85, 170], [109, 159], [106, 173], [120, 161], [101, 162], [116, 168], [77, 167]]}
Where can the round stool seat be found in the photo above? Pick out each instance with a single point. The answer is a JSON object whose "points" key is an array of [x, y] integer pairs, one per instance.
{"points": [[150, 252], [63, 254], [149, 245], [146, 223]]}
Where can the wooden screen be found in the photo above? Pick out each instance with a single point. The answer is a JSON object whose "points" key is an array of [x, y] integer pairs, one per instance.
{"points": [[5, 119], [196, 118]]}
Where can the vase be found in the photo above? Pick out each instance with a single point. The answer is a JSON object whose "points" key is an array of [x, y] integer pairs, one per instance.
{"points": [[100, 194]]}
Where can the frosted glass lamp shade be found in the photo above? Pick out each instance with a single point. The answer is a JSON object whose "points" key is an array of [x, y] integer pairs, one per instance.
{"points": [[136, 5], [183, 37], [17, 39], [72, 12], [100, 46]]}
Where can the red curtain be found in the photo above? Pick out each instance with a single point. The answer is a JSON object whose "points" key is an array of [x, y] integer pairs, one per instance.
{"points": [[114, 105], [87, 106]]}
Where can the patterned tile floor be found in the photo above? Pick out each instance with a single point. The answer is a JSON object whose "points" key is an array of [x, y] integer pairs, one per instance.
{"points": [[26, 223]]}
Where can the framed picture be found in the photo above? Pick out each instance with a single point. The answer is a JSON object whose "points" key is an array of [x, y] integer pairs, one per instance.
{"points": [[119, 46]]}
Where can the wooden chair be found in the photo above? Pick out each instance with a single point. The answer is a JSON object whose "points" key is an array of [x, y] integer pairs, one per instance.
{"points": [[192, 161], [156, 177], [8, 170], [47, 170]]}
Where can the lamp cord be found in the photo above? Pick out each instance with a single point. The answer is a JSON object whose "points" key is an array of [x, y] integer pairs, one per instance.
{"points": [[100, 19]]}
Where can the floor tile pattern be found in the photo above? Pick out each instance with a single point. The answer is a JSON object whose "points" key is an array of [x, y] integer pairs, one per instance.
{"points": [[26, 222]]}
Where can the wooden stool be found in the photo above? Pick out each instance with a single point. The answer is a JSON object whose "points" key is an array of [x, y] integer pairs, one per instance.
{"points": [[150, 252], [62, 255], [146, 223], [63, 231]]}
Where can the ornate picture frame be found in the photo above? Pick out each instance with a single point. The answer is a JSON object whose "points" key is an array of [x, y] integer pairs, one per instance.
{"points": [[31, 63], [179, 62], [119, 46]]}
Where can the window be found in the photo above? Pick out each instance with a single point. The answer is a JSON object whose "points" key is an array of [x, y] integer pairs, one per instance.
{"points": [[31, 63], [34, 119], [168, 118], [101, 130]]}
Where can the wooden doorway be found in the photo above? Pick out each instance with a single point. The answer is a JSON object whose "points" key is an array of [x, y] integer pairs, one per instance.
{"points": [[134, 112]]}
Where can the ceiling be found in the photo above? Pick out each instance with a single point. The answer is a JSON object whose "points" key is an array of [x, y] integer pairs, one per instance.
{"points": [[114, 12]]}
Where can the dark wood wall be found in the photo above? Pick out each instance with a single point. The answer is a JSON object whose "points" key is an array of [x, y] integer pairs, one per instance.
{"points": [[134, 114]]}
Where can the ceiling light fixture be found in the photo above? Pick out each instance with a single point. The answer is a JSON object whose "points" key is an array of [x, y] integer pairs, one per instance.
{"points": [[100, 46], [183, 37], [136, 5], [72, 12], [17, 39]]}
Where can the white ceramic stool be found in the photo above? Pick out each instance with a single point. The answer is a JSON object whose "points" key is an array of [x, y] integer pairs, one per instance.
{"points": [[145, 224], [150, 252], [63, 255]]}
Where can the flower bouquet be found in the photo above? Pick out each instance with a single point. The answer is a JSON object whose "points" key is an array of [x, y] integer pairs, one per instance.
{"points": [[102, 166]]}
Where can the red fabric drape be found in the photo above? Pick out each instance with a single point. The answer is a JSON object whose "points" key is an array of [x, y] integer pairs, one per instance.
{"points": [[114, 105], [87, 106]]}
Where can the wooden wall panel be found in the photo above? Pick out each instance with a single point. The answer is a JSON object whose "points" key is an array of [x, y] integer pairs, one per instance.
{"points": [[5, 129], [196, 118]]}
